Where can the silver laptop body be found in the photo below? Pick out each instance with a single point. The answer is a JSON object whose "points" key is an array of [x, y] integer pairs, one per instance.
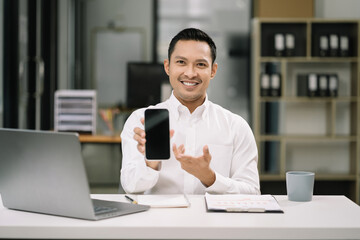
{"points": [[44, 172]]}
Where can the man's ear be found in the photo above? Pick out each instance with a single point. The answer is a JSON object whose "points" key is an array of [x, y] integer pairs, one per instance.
{"points": [[213, 70], [166, 66]]}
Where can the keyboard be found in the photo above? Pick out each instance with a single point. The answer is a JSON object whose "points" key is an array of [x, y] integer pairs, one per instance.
{"points": [[103, 209]]}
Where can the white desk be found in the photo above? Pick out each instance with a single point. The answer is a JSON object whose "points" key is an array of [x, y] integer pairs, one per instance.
{"points": [[326, 217]]}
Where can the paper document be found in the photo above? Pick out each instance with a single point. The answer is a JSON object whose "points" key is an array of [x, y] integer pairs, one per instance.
{"points": [[242, 203], [164, 201]]}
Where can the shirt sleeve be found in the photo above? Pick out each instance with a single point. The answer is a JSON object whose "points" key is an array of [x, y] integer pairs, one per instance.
{"points": [[244, 175], [135, 176]]}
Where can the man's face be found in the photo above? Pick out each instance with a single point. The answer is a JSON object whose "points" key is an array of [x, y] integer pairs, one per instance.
{"points": [[190, 70]]}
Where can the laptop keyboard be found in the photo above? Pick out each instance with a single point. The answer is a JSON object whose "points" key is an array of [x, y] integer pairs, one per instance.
{"points": [[103, 209]]}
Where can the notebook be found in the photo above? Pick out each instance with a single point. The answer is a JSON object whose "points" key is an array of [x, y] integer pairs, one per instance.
{"points": [[242, 203], [44, 172], [164, 201]]}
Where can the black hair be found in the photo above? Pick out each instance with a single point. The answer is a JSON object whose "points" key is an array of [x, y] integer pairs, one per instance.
{"points": [[196, 35]]}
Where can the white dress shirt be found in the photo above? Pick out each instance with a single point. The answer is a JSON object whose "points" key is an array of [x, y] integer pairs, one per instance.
{"points": [[231, 144]]}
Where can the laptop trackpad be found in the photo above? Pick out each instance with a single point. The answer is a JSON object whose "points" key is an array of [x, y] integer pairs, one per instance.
{"points": [[121, 208]]}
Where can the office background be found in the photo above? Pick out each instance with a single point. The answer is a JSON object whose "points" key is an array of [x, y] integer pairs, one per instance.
{"points": [[81, 32]]}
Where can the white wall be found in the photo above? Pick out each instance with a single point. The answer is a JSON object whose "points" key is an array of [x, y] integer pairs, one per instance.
{"points": [[65, 53], [107, 70], [125, 13], [341, 9], [99, 13]]}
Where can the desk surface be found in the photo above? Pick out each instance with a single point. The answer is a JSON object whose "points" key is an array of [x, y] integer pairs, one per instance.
{"points": [[326, 217]]}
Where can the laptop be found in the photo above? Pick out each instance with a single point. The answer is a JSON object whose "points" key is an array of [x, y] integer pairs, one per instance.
{"points": [[44, 172]]}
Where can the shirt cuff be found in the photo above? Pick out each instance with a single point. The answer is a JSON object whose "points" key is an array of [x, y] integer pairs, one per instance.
{"points": [[147, 172], [220, 185], [157, 170]]}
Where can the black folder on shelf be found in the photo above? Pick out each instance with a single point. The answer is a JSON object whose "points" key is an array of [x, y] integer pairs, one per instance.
{"points": [[307, 85], [317, 85], [323, 84], [275, 85], [264, 84], [333, 85], [334, 45]]}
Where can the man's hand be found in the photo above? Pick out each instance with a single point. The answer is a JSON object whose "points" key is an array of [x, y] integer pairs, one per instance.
{"points": [[140, 137], [197, 166]]}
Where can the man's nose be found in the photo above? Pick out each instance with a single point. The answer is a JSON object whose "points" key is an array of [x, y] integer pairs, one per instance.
{"points": [[190, 72]]}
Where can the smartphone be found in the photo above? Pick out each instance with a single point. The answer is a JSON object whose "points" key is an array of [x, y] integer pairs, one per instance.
{"points": [[157, 130]]}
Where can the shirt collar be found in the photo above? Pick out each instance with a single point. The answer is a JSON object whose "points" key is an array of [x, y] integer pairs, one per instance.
{"points": [[178, 107]]}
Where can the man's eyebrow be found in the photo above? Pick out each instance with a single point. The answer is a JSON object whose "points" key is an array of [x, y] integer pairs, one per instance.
{"points": [[197, 60], [180, 57], [202, 60]]}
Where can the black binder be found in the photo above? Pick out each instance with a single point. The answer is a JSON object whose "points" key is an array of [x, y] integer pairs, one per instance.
{"points": [[275, 83], [334, 45], [324, 46], [264, 85], [323, 85], [312, 85], [333, 85], [344, 46]]}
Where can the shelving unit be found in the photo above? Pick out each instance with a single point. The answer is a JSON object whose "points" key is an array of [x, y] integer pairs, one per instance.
{"points": [[319, 134], [75, 110]]}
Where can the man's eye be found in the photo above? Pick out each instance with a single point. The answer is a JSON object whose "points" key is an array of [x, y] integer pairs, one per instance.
{"points": [[180, 61], [201, 64]]}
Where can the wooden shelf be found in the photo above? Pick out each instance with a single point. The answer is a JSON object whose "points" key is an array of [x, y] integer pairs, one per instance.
{"points": [[309, 59], [333, 117], [305, 20], [99, 139], [312, 138], [308, 99], [318, 177]]}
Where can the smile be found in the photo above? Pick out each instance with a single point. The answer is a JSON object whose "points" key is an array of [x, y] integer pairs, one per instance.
{"points": [[189, 83]]}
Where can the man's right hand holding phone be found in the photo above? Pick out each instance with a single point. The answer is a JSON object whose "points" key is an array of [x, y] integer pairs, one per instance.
{"points": [[140, 137]]}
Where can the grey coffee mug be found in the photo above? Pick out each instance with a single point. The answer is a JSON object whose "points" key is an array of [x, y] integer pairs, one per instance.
{"points": [[300, 185]]}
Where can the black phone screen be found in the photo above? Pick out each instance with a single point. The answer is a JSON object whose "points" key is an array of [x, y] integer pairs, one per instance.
{"points": [[157, 132]]}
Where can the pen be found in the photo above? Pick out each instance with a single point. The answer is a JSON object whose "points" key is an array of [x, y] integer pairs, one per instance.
{"points": [[131, 200]]}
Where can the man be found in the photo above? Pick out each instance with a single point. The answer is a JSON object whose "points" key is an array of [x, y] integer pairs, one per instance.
{"points": [[213, 150]]}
